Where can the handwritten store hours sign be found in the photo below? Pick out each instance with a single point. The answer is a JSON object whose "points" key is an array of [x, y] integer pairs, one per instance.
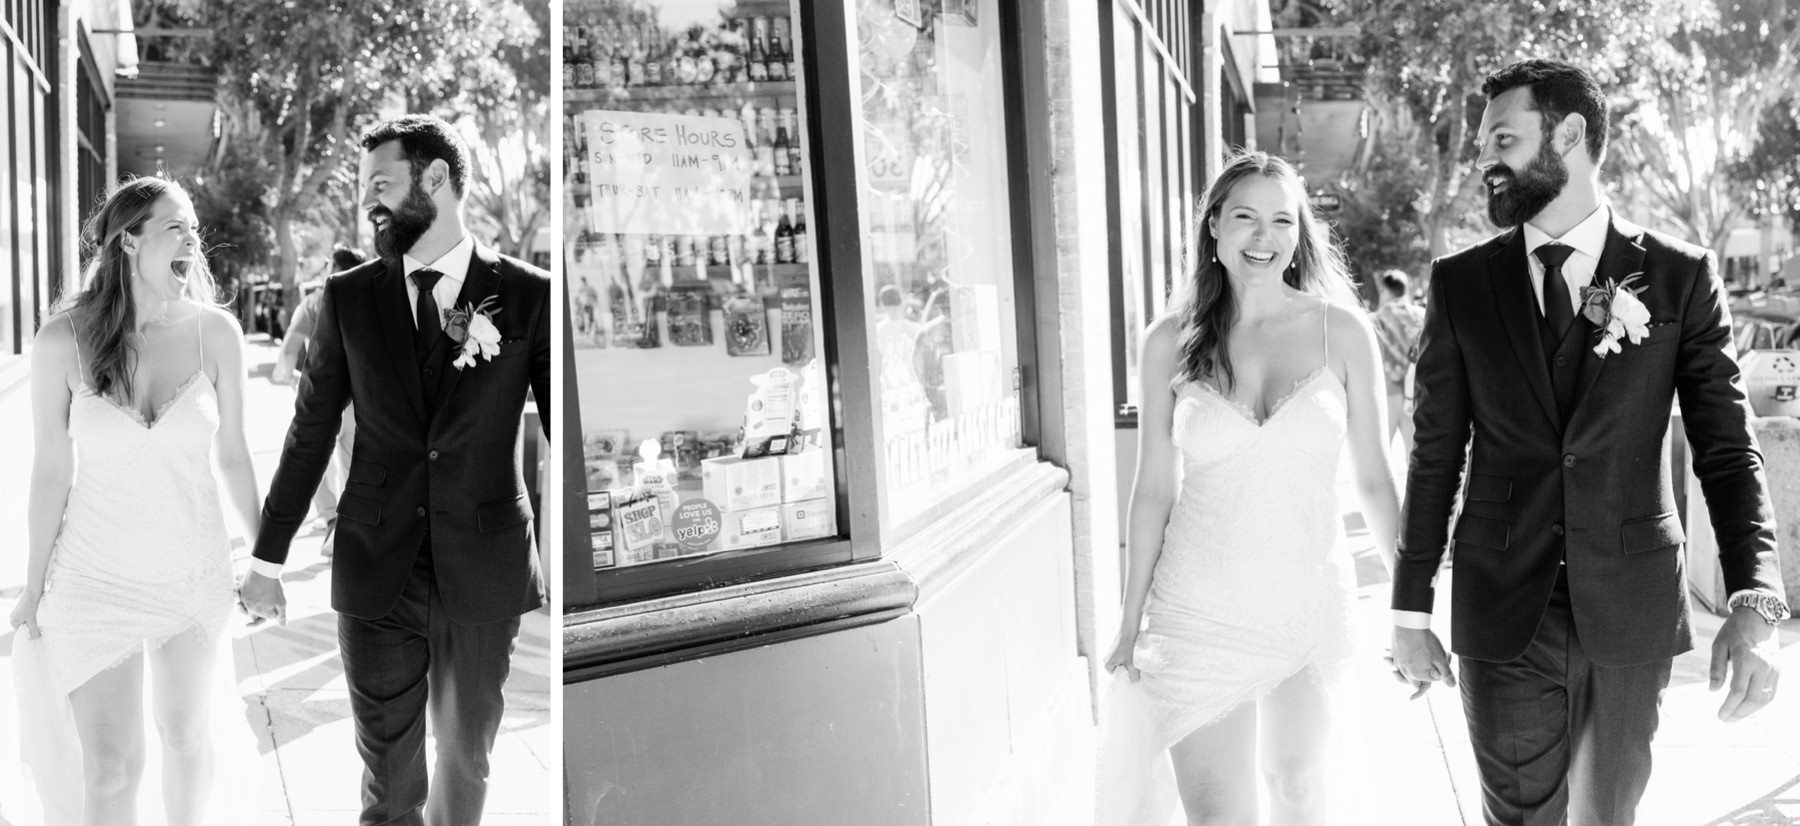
{"points": [[667, 174]]}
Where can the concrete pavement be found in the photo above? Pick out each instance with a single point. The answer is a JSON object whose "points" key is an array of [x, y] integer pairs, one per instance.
{"points": [[289, 677]]}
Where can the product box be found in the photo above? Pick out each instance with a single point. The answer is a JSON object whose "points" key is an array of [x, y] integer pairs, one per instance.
{"points": [[751, 528], [808, 520], [805, 475], [600, 527], [639, 521], [975, 319], [971, 379], [737, 484]]}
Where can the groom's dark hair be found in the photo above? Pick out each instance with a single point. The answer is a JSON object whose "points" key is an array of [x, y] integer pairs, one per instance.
{"points": [[423, 139], [1557, 89]]}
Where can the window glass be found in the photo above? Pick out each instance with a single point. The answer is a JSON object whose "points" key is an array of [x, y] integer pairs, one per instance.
{"points": [[937, 213], [1129, 137], [694, 294]]}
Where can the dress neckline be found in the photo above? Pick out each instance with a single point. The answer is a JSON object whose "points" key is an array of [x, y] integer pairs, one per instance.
{"points": [[160, 410], [1276, 406]]}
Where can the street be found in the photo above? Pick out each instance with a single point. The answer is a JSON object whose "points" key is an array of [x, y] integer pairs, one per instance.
{"points": [[289, 677]]}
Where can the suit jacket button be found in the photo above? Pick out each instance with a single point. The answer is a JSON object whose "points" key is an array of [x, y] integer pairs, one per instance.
{"points": [[428, 371], [1562, 361], [1557, 529], [1568, 460], [421, 511], [433, 455]]}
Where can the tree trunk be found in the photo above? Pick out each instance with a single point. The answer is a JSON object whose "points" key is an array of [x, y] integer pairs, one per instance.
{"points": [[286, 254]]}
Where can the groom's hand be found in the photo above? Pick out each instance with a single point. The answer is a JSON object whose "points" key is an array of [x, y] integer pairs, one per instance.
{"points": [[1746, 646], [262, 598], [1419, 659]]}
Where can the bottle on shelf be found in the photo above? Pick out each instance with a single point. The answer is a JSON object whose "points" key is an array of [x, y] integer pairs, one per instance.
{"points": [[790, 122], [784, 239], [765, 141], [635, 72], [782, 161], [653, 57], [759, 49], [800, 250], [762, 247], [706, 68], [776, 63]]}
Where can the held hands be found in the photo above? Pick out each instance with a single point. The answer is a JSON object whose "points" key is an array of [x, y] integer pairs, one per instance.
{"points": [[25, 613], [1419, 660], [1746, 646], [262, 598], [1121, 655]]}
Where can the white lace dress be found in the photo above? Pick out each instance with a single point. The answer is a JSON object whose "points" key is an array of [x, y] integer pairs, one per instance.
{"points": [[1253, 585], [143, 556]]}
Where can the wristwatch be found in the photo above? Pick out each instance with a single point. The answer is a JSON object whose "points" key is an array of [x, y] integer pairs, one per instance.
{"points": [[1770, 607]]}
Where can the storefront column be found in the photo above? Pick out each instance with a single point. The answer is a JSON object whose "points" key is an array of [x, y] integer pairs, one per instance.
{"points": [[1075, 344]]}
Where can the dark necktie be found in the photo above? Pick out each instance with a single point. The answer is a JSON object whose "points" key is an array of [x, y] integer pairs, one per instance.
{"points": [[425, 310], [1559, 311]]}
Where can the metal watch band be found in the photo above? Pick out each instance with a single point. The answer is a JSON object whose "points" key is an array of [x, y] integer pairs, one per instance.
{"points": [[1772, 608]]}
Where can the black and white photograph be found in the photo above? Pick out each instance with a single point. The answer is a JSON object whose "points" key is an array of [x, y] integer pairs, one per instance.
{"points": [[274, 402], [1148, 412]]}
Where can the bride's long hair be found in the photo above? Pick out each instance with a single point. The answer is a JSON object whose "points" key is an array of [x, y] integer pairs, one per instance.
{"points": [[1205, 304], [104, 313]]}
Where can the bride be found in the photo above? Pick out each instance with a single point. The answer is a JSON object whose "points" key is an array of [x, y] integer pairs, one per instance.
{"points": [[1238, 594], [134, 390]]}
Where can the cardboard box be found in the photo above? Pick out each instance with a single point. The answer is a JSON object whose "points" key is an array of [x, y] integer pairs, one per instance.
{"points": [[971, 379], [809, 520], [751, 528], [736, 484], [805, 475], [600, 528], [640, 524]]}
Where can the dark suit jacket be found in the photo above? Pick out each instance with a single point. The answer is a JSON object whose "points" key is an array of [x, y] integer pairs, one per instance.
{"points": [[449, 463], [1601, 484]]}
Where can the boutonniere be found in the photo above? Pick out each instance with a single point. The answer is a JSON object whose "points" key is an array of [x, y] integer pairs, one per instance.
{"points": [[1615, 309], [472, 327]]}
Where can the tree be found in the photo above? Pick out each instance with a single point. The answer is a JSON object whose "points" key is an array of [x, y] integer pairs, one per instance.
{"points": [[299, 80], [1380, 222], [1426, 62], [508, 136], [1699, 101], [1771, 170]]}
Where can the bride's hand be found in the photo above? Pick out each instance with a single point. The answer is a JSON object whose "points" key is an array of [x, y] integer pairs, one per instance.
{"points": [[25, 613], [1121, 656]]}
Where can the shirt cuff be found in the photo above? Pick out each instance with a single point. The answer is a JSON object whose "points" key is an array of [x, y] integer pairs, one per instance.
{"points": [[266, 568], [1416, 620]]}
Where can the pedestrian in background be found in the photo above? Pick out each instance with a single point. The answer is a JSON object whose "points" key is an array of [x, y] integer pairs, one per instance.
{"points": [[1397, 324], [292, 358]]}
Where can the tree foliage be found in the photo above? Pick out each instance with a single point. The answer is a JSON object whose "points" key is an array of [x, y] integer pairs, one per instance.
{"points": [[1426, 63], [299, 81]]}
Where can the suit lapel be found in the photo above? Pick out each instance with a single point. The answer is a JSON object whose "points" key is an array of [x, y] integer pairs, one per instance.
{"points": [[480, 282], [1511, 280], [1622, 256], [396, 319]]}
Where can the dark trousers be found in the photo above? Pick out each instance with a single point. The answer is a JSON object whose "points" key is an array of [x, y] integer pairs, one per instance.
{"points": [[405, 663], [1558, 738]]}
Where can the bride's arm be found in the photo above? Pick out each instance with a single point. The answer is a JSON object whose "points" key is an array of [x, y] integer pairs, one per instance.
{"points": [[225, 346], [1359, 358], [53, 458], [1154, 488]]}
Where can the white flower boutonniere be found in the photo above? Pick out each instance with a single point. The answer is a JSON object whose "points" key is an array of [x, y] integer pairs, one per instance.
{"points": [[473, 328], [1616, 310]]}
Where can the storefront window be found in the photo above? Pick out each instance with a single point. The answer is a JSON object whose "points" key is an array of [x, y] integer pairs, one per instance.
{"points": [[695, 297], [9, 276], [938, 247]]}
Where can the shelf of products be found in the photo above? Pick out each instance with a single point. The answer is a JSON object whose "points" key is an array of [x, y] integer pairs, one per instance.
{"points": [[697, 347]]}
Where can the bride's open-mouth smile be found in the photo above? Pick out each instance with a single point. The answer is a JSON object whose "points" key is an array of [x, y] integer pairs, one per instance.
{"points": [[1261, 259], [180, 267]]}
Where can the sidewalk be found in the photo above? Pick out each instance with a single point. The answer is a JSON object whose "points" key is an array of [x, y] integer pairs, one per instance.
{"points": [[1419, 767], [289, 676]]}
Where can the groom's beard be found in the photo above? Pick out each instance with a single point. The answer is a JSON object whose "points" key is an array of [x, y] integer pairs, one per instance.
{"points": [[1526, 195], [405, 227]]}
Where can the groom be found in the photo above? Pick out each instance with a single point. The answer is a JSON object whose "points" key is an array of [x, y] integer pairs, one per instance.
{"points": [[1569, 601], [434, 561]]}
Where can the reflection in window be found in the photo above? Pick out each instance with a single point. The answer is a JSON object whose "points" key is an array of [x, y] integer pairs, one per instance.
{"points": [[939, 251]]}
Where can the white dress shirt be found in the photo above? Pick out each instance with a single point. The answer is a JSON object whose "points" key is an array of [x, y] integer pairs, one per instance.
{"points": [[1588, 239], [454, 264]]}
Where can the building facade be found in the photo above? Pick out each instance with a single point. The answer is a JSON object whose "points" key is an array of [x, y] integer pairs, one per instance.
{"points": [[991, 200]]}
